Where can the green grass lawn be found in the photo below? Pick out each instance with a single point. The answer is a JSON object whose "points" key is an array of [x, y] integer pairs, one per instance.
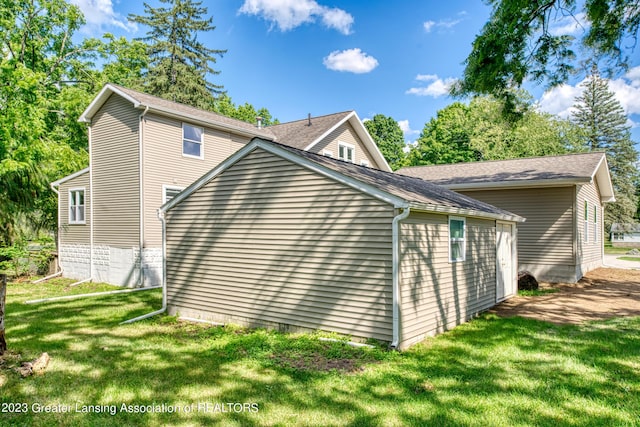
{"points": [[491, 371], [630, 258]]}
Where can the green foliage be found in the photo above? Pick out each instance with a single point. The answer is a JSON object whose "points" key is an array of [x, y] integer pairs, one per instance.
{"points": [[480, 131], [15, 259], [520, 42], [178, 62], [246, 112], [603, 122], [389, 138]]}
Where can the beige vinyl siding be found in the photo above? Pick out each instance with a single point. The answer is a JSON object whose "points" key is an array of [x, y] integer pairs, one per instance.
{"points": [[345, 133], [269, 242], [74, 233], [547, 236], [436, 294], [589, 251], [164, 164], [114, 160]]}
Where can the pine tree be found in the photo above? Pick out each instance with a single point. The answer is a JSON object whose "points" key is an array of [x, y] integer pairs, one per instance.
{"points": [[178, 62], [602, 119]]}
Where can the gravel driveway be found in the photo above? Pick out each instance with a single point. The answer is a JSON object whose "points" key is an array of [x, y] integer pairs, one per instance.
{"points": [[603, 293]]}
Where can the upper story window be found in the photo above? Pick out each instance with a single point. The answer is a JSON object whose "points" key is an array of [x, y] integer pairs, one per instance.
{"points": [[457, 239], [346, 152], [169, 192], [192, 145], [76, 206]]}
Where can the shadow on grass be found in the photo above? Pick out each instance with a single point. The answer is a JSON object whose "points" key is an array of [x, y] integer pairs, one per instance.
{"points": [[490, 371]]}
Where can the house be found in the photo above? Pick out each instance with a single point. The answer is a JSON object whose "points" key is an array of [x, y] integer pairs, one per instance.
{"points": [[286, 238], [562, 198], [625, 235], [143, 151]]}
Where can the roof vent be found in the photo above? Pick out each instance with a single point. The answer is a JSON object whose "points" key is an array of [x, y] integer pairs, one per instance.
{"points": [[309, 124], [259, 121]]}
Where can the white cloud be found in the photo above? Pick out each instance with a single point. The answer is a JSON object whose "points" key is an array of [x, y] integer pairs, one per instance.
{"points": [[289, 14], [570, 25], [350, 60], [443, 24], [560, 100], [436, 88], [100, 13], [409, 134]]}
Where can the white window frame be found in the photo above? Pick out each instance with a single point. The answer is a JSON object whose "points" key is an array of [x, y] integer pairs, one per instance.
{"points": [[346, 147], [166, 187], [586, 221], [457, 239], [327, 153], [364, 162], [74, 207], [201, 142]]}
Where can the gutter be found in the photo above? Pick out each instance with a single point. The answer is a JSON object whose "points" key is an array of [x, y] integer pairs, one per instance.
{"points": [[395, 226], [164, 269]]}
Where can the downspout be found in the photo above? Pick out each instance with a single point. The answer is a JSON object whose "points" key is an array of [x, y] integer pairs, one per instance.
{"points": [[164, 269], [57, 273], [141, 190], [395, 241], [91, 202]]}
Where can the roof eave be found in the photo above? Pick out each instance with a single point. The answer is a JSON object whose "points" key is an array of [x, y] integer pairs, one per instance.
{"points": [[69, 177], [602, 177], [101, 98], [452, 210], [517, 184]]}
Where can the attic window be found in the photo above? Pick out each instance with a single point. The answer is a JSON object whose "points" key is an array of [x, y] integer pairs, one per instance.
{"points": [[192, 141], [346, 152]]}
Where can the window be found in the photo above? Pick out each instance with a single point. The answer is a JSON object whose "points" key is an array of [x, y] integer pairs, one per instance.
{"points": [[192, 141], [617, 236], [327, 153], [76, 206], [457, 239], [346, 152], [364, 162], [595, 224], [169, 192], [586, 221]]}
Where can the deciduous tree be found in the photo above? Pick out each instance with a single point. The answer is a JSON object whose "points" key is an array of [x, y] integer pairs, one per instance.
{"points": [[389, 138]]}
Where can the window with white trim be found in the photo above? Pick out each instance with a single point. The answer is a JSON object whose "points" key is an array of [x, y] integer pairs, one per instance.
{"points": [[595, 224], [192, 141], [169, 192], [457, 239], [586, 221], [346, 152], [76, 206]]}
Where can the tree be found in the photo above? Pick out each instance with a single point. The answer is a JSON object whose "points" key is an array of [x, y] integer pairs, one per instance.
{"points": [[246, 112], [389, 138], [520, 42], [179, 63], [601, 117]]}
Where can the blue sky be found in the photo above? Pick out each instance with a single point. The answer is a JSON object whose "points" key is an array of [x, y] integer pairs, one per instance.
{"points": [[296, 57]]}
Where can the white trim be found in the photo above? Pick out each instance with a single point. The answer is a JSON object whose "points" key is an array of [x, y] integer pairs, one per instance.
{"points": [[201, 156], [84, 206], [395, 276], [563, 182], [166, 187], [327, 153], [585, 222], [101, 98], [364, 162], [464, 238], [346, 147], [69, 177]]}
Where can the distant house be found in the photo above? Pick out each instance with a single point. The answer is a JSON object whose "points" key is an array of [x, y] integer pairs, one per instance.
{"points": [[561, 197], [143, 151], [625, 235], [281, 237]]}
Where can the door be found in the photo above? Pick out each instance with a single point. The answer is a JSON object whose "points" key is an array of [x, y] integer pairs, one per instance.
{"points": [[505, 273]]}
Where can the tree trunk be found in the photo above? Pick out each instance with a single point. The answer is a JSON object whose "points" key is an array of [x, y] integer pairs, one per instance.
{"points": [[3, 293]]}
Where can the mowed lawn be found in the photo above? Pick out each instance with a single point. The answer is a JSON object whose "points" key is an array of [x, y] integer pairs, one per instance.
{"points": [[491, 371]]}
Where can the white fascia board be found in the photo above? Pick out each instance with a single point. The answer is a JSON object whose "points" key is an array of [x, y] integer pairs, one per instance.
{"points": [[69, 177], [362, 132], [564, 182], [603, 178], [450, 210], [100, 99]]}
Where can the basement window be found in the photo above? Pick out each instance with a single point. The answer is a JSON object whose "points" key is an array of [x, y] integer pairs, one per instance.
{"points": [[457, 239], [76, 206], [192, 141]]}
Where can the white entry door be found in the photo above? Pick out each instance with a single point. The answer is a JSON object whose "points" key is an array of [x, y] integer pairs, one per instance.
{"points": [[505, 273]]}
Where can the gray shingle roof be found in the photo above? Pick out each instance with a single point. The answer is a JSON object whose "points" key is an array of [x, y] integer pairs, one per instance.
{"points": [[571, 168], [410, 189], [300, 134]]}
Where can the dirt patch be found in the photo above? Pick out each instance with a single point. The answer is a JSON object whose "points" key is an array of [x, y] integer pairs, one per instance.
{"points": [[603, 293]]}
